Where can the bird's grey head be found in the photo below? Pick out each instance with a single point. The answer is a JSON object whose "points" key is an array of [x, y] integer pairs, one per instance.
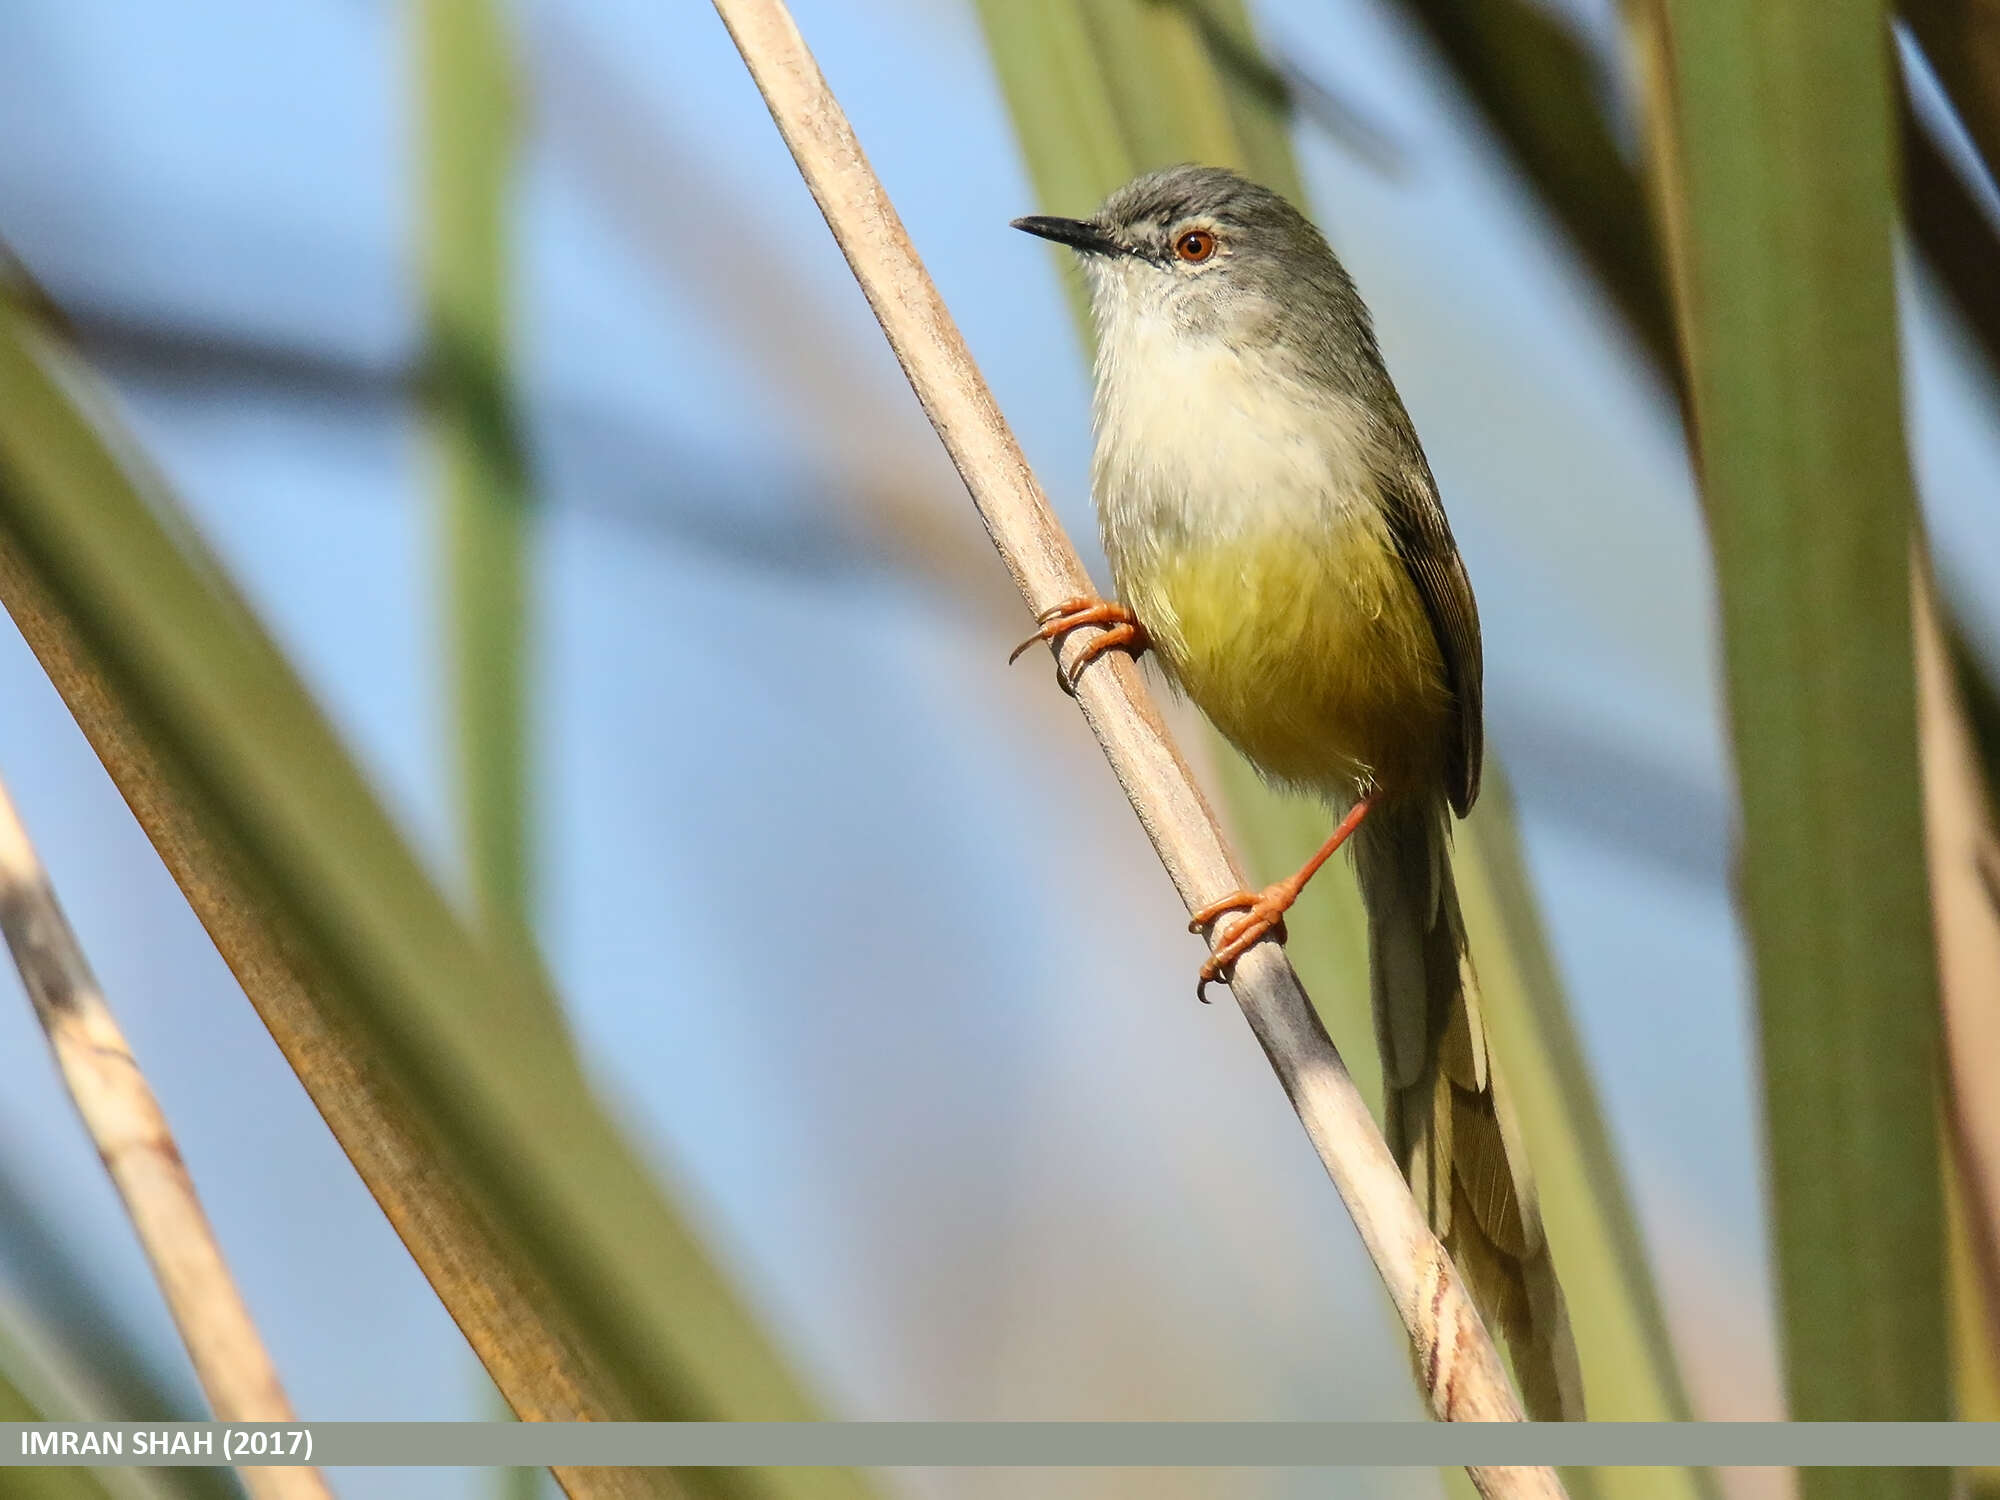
{"points": [[1219, 257]]}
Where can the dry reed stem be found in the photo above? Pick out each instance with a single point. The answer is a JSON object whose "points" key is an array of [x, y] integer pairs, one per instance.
{"points": [[1455, 1356], [1964, 861], [132, 1138]]}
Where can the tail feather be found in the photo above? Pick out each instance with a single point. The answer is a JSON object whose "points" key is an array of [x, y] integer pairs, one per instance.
{"points": [[1448, 1118]]}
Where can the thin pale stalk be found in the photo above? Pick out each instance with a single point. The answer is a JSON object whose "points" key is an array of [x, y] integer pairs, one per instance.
{"points": [[1959, 240], [1961, 39], [1461, 1370], [1964, 860], [1976, 1370], [137, 1147]]}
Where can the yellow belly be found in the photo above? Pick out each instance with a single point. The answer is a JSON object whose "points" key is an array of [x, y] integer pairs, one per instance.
{"points": [[1315, 657]]}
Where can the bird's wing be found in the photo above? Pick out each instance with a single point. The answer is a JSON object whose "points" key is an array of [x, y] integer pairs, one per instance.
{"points": [[1423, 538]]}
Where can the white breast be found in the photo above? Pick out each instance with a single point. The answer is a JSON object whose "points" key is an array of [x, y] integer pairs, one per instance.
{"points": [[1196, 441]]}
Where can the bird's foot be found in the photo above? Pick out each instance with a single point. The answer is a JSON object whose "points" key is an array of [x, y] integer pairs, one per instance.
{"points": [[1263, 916], [1122, 632], [1264, 913]]}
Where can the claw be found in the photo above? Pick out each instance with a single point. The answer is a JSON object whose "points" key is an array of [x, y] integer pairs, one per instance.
{"points": [[1264, 916], [1122, 631], [1265, 912]]}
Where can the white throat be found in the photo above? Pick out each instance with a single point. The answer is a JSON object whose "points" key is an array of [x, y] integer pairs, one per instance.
{"points": [[1202, 438]]}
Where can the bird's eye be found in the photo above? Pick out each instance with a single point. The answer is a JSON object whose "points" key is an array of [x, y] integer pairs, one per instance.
{"points": [[1196, 245]]}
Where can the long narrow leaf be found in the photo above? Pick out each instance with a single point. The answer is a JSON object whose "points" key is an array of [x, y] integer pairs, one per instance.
{"points": [[1785, 124], [469, 113], [470, 123], [574, 1279], [87, 1375], [54, 1483]]}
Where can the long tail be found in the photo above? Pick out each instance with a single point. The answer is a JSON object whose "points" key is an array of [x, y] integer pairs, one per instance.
{"points": [[1449, 1122]]}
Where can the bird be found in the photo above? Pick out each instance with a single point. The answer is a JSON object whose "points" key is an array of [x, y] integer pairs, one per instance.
{"points": [[1279, 548]]}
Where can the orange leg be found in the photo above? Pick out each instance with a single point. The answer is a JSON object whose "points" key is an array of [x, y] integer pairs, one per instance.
{"points": [[1264, 913], [1122, 631]]}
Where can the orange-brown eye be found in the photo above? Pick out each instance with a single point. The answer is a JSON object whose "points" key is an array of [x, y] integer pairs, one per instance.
{"points": [[1196, 245]]}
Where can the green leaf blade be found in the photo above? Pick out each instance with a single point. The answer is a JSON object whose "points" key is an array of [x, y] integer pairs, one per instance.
{"points": [[1787, 133]]}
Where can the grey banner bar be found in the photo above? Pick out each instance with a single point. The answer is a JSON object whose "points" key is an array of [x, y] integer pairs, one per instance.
{"points": [[954, 1445]]}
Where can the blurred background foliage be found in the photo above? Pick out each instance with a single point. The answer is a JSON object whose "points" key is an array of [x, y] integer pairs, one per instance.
{"points": [[446, 477]]}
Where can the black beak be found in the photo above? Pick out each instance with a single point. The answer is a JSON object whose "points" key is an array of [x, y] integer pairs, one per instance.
{"points": [[1078, 234]]}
